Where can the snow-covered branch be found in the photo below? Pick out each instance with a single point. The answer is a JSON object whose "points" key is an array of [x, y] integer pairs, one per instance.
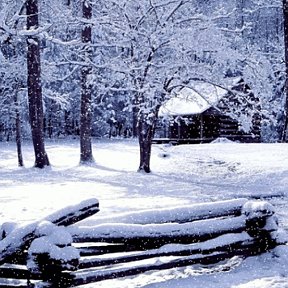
{"points": [[34, 32]]}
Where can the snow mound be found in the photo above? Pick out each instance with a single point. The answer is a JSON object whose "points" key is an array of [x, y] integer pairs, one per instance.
{"points": [[256, 209], [222, 140], [6, 228], [55, 245]]}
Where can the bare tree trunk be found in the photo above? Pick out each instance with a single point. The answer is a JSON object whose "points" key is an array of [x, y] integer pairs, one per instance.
{"points": [[18, 131], [34, 87], [135, 111], [145, 123], [146, 128], [285, 16], [145, 144], [86, 90]]}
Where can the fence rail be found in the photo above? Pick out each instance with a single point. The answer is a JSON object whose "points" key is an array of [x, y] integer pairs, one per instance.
{"points": [[54, 253]]}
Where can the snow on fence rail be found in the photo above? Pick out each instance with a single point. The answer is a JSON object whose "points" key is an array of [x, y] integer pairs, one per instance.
{"points": [[47, 253]]}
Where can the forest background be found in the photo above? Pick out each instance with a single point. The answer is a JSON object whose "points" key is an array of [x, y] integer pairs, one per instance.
{"points": [[84, 68]]}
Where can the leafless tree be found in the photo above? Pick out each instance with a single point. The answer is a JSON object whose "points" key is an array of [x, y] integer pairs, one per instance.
{"points": [[34, 85]]}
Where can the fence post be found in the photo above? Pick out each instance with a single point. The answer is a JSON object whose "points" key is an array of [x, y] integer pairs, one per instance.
{"points": [[260, 223]]}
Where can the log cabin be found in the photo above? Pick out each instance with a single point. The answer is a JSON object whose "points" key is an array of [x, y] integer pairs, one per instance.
{"points": [[203, 112]]}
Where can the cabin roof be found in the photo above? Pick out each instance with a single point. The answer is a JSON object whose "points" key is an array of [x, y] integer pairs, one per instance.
{"points": [[195, 99]]}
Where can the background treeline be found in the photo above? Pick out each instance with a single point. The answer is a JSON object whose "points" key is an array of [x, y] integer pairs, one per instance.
{"points": [[127, 57]]}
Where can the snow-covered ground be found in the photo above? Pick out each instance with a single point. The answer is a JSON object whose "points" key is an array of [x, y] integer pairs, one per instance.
{"points": [[181, 175]]}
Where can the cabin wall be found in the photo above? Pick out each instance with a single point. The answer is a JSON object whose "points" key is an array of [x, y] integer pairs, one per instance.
{"points": [[205, 128], [185, 128]]}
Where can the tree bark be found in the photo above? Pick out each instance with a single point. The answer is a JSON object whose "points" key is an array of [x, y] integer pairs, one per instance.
{"points": [[146, 124], [285, 18], [86, 90], [34, 86], [146, 128], [18, 131], [135, 111]]}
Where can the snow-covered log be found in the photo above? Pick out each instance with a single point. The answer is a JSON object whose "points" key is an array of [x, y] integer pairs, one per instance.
{"points": [[181, 214], [157, 263], [158, 241], [156, 235], [52, 253], [227, 242], [74, 213], [260, 223], [254, 218], [211, 240], [22, 236]]}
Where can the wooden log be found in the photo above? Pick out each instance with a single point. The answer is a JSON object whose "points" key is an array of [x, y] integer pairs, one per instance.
{"points": [[14, 272], [181, 214], [260, 222], [156, 235], [74, 213], [89, 276], [170, 256], [21, 237], [49, 268], [16, 285], [227, 242], [92, 249], [18, 276]]}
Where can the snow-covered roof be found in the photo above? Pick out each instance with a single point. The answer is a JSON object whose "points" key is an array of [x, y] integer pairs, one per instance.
{"points": [[194, 99]]}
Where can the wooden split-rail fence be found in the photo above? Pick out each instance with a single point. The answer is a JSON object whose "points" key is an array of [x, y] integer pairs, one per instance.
{"points": [[55, 253]]}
